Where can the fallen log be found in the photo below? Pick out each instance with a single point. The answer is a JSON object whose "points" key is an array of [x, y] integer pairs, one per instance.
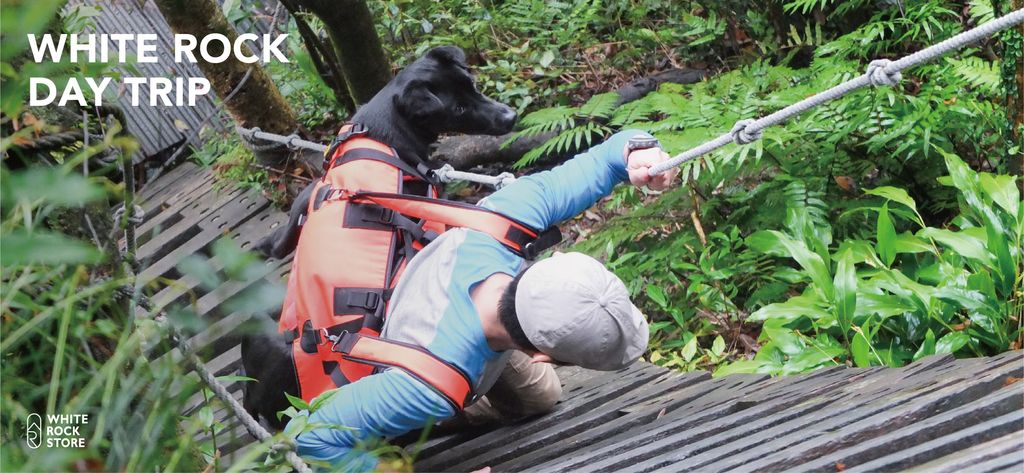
{"points": [[466, 151]]}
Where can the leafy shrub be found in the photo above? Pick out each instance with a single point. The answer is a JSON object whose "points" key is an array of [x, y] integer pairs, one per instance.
{"points": [[806, 178], [901, 296]]}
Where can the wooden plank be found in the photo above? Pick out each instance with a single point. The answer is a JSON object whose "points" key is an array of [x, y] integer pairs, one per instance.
{"points": [[898, 408], [1004, 452]]}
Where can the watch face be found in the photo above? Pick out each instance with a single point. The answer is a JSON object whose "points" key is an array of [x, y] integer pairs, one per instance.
{"points": [[643, 143]]}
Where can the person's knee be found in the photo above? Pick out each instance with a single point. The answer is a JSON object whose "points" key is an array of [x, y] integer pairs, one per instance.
{"points": [[543, 393]]}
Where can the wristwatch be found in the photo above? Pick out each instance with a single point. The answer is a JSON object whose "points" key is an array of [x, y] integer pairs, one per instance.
{"points": [[642, 142]]}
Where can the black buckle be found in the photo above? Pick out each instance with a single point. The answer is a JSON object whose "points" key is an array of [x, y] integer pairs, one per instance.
{"points": [[346, 339], [356, 129], [372, 300], [546, 239]]}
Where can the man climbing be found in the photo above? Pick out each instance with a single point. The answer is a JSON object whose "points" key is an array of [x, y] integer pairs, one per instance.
{"points": [[474, 304]]}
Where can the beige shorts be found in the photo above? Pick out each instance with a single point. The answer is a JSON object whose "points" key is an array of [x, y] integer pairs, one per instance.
{"points": [[523, 389]]}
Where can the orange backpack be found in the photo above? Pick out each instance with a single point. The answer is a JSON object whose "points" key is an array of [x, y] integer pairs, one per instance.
{"points": [[360, 231]]}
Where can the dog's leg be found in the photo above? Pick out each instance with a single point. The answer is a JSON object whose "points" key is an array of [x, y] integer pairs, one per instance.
{"points": [[282, 242]]}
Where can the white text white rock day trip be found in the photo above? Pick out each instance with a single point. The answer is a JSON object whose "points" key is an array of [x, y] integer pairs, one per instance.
{"points": [[120, 48]]}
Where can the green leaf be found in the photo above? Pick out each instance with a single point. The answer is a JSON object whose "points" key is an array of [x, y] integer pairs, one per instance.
{"points": [[322, 399], [741, 366], [296, 426], [807, 305], [547, 58], [230, 378], [41, 247], [773, 242], [846, 290], [1003, 191], [951, 342], [718, 346], [961, 243], [657, 294], [297, 402], [896, 194], [860, 348], [886, 236], [49, 184], [689, 350], [206, 416], [927, 347]]}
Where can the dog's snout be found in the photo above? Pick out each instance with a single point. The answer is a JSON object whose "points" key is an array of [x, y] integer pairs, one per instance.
{"points": [[508, 117]]}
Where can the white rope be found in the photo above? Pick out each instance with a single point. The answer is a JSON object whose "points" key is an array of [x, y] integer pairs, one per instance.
{"points": [[880, 72], [448, 174], [293, 142]]}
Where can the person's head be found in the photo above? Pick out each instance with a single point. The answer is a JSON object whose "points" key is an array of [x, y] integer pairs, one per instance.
{"points": [[573, 310]]}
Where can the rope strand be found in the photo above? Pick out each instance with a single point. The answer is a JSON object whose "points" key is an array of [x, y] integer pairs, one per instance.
{"points": [[879, 72]]}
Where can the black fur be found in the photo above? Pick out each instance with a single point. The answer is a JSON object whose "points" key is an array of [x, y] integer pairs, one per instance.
{"points": [[436, 94]]}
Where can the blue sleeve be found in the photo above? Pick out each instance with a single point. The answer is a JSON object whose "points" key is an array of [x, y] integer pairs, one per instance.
{"points": [[381, 405], [546, 198]]}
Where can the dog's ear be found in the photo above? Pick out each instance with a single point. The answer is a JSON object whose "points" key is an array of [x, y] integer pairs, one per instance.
{"points": [[448, 54], [417, 101]]}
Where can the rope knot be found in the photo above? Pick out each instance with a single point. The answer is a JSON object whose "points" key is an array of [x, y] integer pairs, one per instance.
{"points": [[442, 173], [503, 179], [741, 135], [290, 142], [136, 218], [878, 76]]}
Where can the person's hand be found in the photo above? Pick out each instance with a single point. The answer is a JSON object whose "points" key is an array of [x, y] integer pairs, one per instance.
{"points": [[638, 165]]}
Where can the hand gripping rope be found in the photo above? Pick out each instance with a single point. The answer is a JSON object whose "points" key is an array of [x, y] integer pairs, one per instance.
{"points": [[879, 72]]}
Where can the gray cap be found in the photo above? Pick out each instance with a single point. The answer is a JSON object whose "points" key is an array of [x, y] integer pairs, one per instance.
{"points": [[576, 311]]}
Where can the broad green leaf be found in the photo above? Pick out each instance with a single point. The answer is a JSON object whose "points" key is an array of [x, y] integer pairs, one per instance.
{"points": [[951, 342], [906, 242], [689, 350], [896, 194], [742, 366], [961, 243], [41, 247], [886, 236], [718, 346], [884, 305], [657, 294], [792, 309], [1003, 191], [785, 340], [927, 346], [846, 290], [773, 242], [810, 358], [860, 348]]}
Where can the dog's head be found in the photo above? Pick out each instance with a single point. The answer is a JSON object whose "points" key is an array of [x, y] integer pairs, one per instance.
{"points": [[437, 94]]}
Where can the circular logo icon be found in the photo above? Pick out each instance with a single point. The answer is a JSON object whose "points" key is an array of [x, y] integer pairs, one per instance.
{"points": [[34, 431]]}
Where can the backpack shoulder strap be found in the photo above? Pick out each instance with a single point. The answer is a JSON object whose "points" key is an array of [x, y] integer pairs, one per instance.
{"points": [[515, 235]]}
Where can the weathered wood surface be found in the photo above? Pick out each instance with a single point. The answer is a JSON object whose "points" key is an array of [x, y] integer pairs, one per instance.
{"points": [[938, 414]]}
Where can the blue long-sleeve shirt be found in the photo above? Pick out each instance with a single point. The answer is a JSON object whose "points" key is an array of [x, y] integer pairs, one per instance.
{"points": [[432, 307]]}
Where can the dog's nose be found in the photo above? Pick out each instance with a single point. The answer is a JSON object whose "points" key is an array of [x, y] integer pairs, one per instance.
{"points": [[508, 117]]}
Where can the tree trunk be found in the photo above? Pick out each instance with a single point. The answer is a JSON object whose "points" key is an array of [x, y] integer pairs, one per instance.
{"points": [[256, 103], [350, 26], [323, 54]]}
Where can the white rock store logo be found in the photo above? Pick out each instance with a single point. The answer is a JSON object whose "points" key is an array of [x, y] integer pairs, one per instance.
{"points": [[62, 431]]}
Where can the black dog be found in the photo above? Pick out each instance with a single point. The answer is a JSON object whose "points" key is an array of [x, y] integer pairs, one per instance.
{"points": [[434, 95]]}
